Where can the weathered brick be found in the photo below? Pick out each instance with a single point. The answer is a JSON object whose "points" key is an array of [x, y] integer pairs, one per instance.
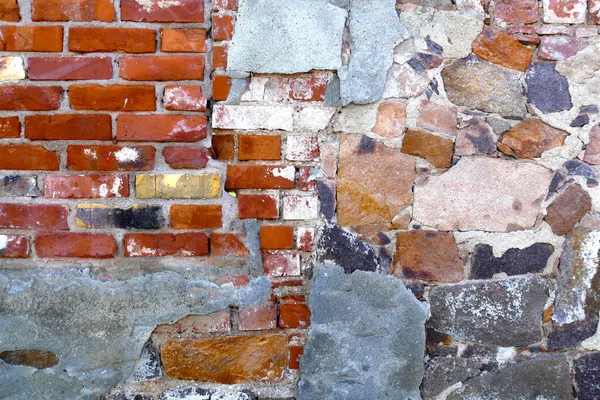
{"points": [[69, 68], [224, 5], [184, 98], [304, 240], [112, 98], [302, 148], [161, 11], [222, 26], [253, 117], [183, 41], [12, 68], [221, 87], [300, 207], [30, 98], [136, 216], [219, 58], [260, 177], [86, 186], [110, 158], [13, 246], [68, 127], [73, 10], [276, 237], [260, 206], [161, 68], [166, 244], [227, 245], [75, 244], [33, 216], [196, 216], [161, 128], [26, 157], [223, 146], [9, 11], [126, 40], [517, 11], [227, 360], [306, 182], [308, 89], [186, 157], [178, 186], [259, 147], [565, 11], [19, 186], [10, 128], [219, 321], [31, 38], [258, 318], [295, 355], [294, 316], [278, 263]]}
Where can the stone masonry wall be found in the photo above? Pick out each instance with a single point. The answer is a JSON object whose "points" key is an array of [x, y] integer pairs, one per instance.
{"points": [[308, 199]]}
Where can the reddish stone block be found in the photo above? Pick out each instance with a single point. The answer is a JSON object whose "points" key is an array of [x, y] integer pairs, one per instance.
{"points": [[308, 89], [86, 186], [502, 49], [437, 118], [227, 245], [276, 237], [258, 318], [68, 127], [161, 11], [9, 11], [259, 147], [12, 246], [223, 146], [30, 98], [31, 38], [10, 128], [73, 10], [112, 98], [196, 216], [69, 68], [568, 209], [559, 48], [260, 206], [75, 244], [126, 40], [278, 263], [183, 41], [517, 11], [219, 58], [34, 216], [222, 26], [174, 68], [165, 244], [184, 98], [525, 34], [294, 316], [219, 321], [161, 128], [221, 87], [391, 119], [186, 157], [24, 157], [260, 177], [435, 149], [110, 158]]}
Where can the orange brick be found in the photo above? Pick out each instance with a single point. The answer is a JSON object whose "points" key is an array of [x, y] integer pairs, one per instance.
{"points": [[10, 128], [223, 146], [73, 10], [222, 26], [184, 98], [75, 244], [68, 127], [9, 11], [34, 216], [166, 244], [112, 98], [196, 216], [277, 237], [294, 316], [261, 206], [31, 38], [224, 5], [108, 158], [295, 355], [161, 11], [183, 41], [221, 87], [174, 68], [161, 128], [219, 58], [259, 147], [126, 40], [30, 98], [28, 158], [15, 247], [227, 244]]}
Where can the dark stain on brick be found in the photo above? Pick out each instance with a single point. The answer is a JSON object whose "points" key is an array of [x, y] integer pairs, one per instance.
{"points": [[142, 217]]}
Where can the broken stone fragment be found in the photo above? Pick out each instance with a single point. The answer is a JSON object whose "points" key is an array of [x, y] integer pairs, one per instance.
{"points": [[391, 119], [437, 118], [532, 259], [502, 49], [474, 136], [346, 250], [572, 334], [546, 89], [30, 358], [592, 151], [568, 209], [531, 138]]}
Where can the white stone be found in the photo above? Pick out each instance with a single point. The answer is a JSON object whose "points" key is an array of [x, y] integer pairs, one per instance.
{"points": [[300, 207], [256, 89], [357, 118], [11, 68], [313, 119], [252, 117], [575, 12], [301, 148], [404, 82]]}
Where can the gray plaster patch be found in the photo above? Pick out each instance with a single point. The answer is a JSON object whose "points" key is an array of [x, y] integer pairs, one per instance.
{"points": [[96, 328], [286, 37], [366, 340]]}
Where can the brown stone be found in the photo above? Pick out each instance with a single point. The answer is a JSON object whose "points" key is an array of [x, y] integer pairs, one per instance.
{"points": [[31, 358], [391, 119], [435, 149], [227, 360], [530, 138], [567, 209], [437, 118], [223, 146], [427, 256], [502, 49]]}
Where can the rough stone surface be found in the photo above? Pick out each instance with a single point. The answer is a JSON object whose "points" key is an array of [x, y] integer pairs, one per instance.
{"points": [[592, 151], [435, 149], [547, 90], [532, 259], [19, 186], [573, 334], [502, 49], [497, 312], [367, 338], [404, 82], [587, 376], [568, 209], [391, 119], [198, 393], [443, 372], [346, 250], [461, 198], [474, 136], [530, 138]]}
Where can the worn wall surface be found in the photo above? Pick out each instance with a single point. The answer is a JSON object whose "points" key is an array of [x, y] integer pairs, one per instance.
{"points": [[309, 199]]}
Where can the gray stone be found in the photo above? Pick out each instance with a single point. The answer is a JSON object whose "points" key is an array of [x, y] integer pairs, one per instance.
{"points": [[366, 341], [148, 367], [296, 36], [532, 259], [542, 378], [333, 96], [496, 312], [581, 71], [499, 125], [546, 89], [96, 328], [19, 186], [345, 249], [571, 335], [443, 372], [475, 83], [587, 376]]}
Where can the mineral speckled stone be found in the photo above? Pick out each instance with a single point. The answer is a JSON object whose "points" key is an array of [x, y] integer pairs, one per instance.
{"points": [[498, 312], [587, 376], [568, 209], [531, 138], [197, 393], [366, 341], [532, 259], [346, 250]]}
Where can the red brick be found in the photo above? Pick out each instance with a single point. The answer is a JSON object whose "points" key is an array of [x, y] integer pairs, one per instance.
{"points": [[278, 263], [305, 239], [68, 127], [110, 158], [221, 87], [161, 128], [26, 157], [155, 11], [9, 11], [259, 147], [222, 26], [277, 237], [173, 68], [219, 321], [166, 244], [31, 38], [224, 5], [219, 58], [33, 216], [184, 98], [10, 128], [75, 244], [30, 98], [261, 206], [86, 186], [287, 283], [308, 89], [517, 11], [236, 281], [183, 41], [196, 216], [295, 355], [186, 157], [259, 177], [112, 98], [294, 316], [69, 68], [73, 10], [227, 245], [14, 246], [126, 40], [305, 182], [223, 146], [258, 318]]}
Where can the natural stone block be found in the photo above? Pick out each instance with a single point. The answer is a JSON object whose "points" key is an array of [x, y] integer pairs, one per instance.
{"points": [[587, 374], [178, 186], [502, 49], [568, 209], [435, 149], [474, 136], [532, 259], [443, 372], [530, 139], [546, 89], [346, 250]]}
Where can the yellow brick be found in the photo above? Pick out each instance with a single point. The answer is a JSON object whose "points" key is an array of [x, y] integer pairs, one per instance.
{"points": [[145, 186], [212, 185], [178, 186]]}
